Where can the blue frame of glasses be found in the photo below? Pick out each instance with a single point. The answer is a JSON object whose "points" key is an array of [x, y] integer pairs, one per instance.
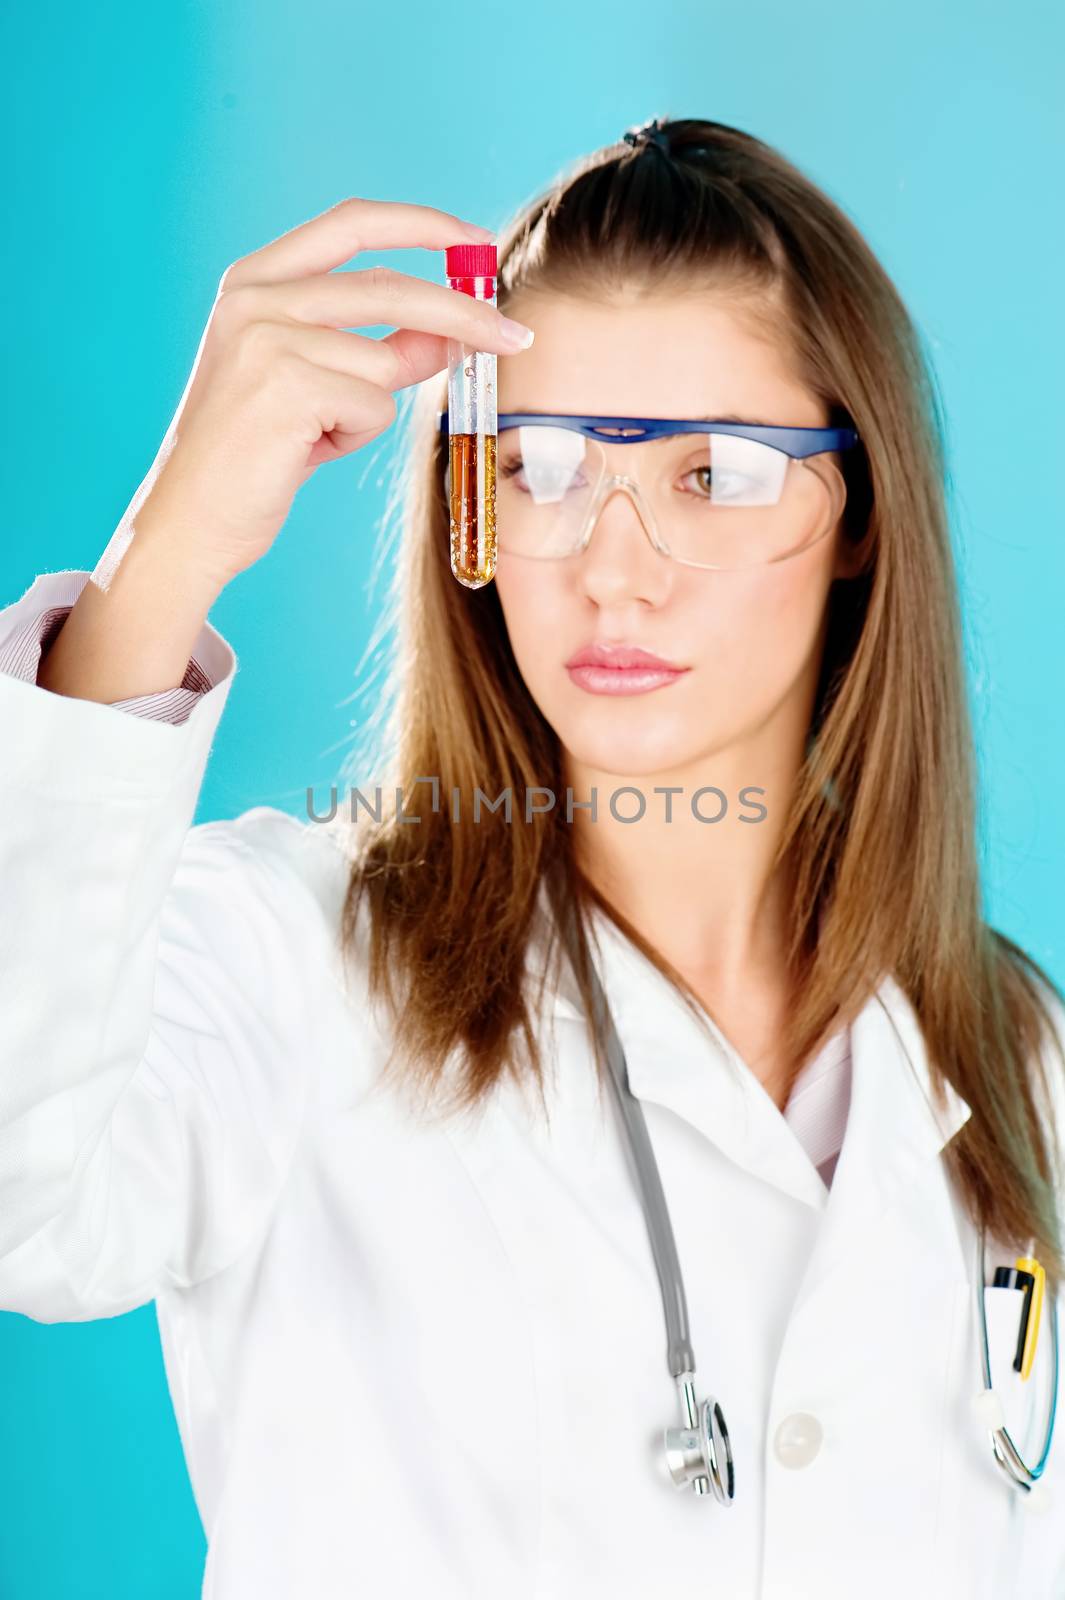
{"points": [[795, 442]]}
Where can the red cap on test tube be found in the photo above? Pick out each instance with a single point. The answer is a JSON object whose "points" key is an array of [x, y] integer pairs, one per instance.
{"points": [[470, 260]]}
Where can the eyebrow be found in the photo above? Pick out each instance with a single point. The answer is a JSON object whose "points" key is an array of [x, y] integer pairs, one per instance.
{"points": [[710, 416], [730, 416]]}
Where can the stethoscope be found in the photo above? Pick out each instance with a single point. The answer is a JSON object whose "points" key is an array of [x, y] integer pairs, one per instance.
{"points": [[699, 1452]]}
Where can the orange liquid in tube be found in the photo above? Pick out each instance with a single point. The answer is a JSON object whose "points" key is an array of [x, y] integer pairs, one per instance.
{"points": [[472, 428]]}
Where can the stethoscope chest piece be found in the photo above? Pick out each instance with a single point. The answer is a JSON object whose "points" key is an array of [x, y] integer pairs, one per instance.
{"points": [[699, 1454]]}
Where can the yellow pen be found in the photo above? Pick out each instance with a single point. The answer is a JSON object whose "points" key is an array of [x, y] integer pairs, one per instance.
{"points": [[1033, 1310]]}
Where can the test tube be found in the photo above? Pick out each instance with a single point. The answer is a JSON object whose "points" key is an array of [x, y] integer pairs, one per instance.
{"points": [[472, 426]]}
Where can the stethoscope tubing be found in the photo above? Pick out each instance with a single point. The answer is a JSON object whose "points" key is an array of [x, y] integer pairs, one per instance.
{"points": [[679, 1353], [699, 1452]]}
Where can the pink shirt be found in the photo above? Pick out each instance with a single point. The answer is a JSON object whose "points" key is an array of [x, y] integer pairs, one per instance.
{"points": [[820, 1099], [20, 657]]}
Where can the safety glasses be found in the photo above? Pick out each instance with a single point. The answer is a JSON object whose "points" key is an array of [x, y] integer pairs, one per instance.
{"points": [[715, 494]]}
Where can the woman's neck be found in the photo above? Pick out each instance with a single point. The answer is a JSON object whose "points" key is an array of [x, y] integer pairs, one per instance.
{"points": [[704, 894]]}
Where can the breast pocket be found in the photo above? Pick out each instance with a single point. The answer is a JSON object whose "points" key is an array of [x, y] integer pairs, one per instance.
{"points": [[1026, 1400], [994, 1539]]}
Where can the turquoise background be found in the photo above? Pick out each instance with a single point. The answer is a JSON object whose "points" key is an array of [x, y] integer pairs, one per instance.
{"points": [[153, 145]]}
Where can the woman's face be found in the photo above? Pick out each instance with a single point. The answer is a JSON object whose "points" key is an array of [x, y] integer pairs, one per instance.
{"points": [[750, 639]]}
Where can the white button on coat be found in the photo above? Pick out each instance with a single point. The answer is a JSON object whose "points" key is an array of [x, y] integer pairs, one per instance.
{"points": [[428, 1357], [798, 1439]]}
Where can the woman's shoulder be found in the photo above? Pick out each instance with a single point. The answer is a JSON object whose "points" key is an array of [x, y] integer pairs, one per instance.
{"points": [[263, 871], [276, 847]]}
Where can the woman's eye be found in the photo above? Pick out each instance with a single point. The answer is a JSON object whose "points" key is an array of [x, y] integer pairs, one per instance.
{"points": [[719, 485], [546, 477]]}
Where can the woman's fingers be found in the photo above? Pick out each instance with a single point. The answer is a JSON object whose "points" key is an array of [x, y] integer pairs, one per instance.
{"points": [[355, 353], [368, 297], [349, 411], [420, 354], [346, 229], [403, 358]]}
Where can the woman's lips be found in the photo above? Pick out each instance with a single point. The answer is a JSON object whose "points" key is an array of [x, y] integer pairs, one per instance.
{"points": [[617, 668], [623, 680]]}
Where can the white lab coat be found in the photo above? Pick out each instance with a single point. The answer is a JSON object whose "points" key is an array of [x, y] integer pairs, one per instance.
{"points": [[410, 1357]]}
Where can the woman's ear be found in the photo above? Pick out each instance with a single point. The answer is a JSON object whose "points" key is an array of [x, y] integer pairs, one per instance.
{"points": [[856, 535], [852, 555]]}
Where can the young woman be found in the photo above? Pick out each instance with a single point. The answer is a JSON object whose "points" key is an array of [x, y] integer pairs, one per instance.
{"points": [[359, 1104]]}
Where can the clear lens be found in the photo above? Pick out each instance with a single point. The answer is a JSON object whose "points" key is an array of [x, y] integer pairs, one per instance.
{"points": [[707, 499]]}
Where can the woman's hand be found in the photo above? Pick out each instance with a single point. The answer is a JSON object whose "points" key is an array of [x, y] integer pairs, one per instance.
{"points": [[278, 387]]}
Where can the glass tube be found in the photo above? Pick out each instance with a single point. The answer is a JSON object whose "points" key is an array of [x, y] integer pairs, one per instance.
{"points": [[472, 427]]}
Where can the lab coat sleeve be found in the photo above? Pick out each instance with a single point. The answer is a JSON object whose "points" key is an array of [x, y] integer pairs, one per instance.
{"points": [[24, 643], [151, 1081]]}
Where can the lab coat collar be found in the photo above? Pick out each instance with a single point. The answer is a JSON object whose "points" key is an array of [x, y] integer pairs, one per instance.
{"points": [[894, 1125]]}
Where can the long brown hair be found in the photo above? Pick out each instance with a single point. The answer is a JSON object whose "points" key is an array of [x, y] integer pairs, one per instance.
{"points": [[882, 833]]}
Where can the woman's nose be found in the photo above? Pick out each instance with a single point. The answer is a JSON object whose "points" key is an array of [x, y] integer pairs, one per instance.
{"points": [[636, 511], [618, 553]]}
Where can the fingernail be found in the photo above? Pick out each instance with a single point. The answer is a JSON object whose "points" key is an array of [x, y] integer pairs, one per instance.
{"points": [[516, 333], [482, 235]]}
